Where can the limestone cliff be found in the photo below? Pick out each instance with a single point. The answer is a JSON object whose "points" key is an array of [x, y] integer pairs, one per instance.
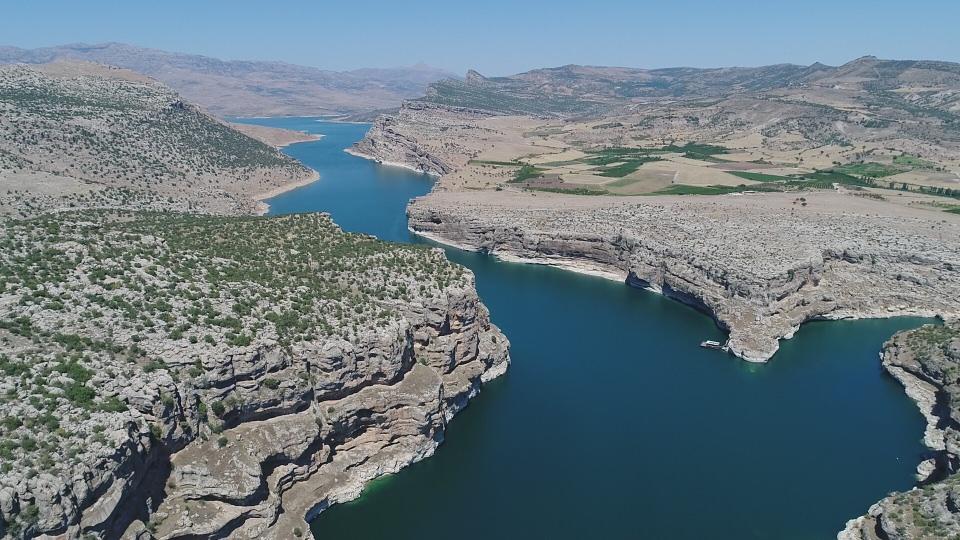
{"points": [[390, 140], [759, 265], [168, 376], [927, 362]]}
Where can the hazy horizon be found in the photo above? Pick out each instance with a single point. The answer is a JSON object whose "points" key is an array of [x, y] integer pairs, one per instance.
{"points": [[498, 38], [427, 65]]}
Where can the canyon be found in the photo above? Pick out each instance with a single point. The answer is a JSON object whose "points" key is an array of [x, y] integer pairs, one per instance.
{"points": [[171, 366]]}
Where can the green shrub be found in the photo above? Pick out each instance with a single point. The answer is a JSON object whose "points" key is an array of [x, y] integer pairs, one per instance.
{"points": [[218, 408], [80, 394], [113, 404]]}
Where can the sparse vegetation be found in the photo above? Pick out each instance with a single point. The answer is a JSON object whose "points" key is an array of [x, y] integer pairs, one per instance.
{"points": [[869, 169], [96, 299], [526, 172], [913, 162], [126, 143]]}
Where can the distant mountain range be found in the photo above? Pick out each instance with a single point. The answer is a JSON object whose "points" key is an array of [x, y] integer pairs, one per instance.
{"points": [[883, 91], [251, 88], [918, 88]]}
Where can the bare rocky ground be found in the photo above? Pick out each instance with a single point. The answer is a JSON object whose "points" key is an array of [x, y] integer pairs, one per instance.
{"points": [[927, 362], [76, 135], [276, 137]]}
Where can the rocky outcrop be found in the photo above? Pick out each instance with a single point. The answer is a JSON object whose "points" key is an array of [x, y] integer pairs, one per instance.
{"points": [[243, 394], [759, 265], [926, 362], [385, 145], [368, 410], [396, 139]]}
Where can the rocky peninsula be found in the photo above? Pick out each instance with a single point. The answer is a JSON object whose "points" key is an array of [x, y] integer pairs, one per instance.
{"points": [[389, 141], [80, 135], [759, 264], [171, 376], [275, 137]]}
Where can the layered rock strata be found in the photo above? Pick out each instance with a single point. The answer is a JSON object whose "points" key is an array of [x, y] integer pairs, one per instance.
{"points": [[926, 361], [760, 265], [169, 376], [389, 139]]}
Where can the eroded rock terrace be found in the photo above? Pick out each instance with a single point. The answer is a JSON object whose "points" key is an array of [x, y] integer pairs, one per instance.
{"points": [[759, 264], [135, 348]]}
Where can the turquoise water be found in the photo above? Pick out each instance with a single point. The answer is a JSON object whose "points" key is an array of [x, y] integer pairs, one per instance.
{"points": [[612, 422]]}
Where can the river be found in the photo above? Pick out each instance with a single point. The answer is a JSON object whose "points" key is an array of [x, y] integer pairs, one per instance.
{"points": [[612, 422]]}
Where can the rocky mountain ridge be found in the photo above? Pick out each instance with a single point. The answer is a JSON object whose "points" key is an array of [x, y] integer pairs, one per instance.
{"points": [[573, 90]]}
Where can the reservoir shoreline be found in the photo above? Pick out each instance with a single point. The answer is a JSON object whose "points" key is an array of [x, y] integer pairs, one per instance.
{"points": [[398, 164], [263, 208], [578, 267]]}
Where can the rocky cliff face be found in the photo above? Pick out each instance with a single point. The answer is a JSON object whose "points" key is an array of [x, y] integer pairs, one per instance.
{"points": [[390, 140], [187, 377], [369, 409], [927, 362], [760, 265]]}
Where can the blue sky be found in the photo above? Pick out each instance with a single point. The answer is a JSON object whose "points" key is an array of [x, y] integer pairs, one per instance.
{"points": [[499, 37]]}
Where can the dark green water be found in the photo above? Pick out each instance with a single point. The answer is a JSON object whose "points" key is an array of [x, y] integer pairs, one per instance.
{"points": [[612, 422]]}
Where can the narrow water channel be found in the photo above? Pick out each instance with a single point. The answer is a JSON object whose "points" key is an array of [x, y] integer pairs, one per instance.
{"points": [[612, 422]]}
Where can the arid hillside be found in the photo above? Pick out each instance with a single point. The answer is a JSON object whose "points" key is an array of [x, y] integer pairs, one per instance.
{"points": [[76, 135], [870, 123]]}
